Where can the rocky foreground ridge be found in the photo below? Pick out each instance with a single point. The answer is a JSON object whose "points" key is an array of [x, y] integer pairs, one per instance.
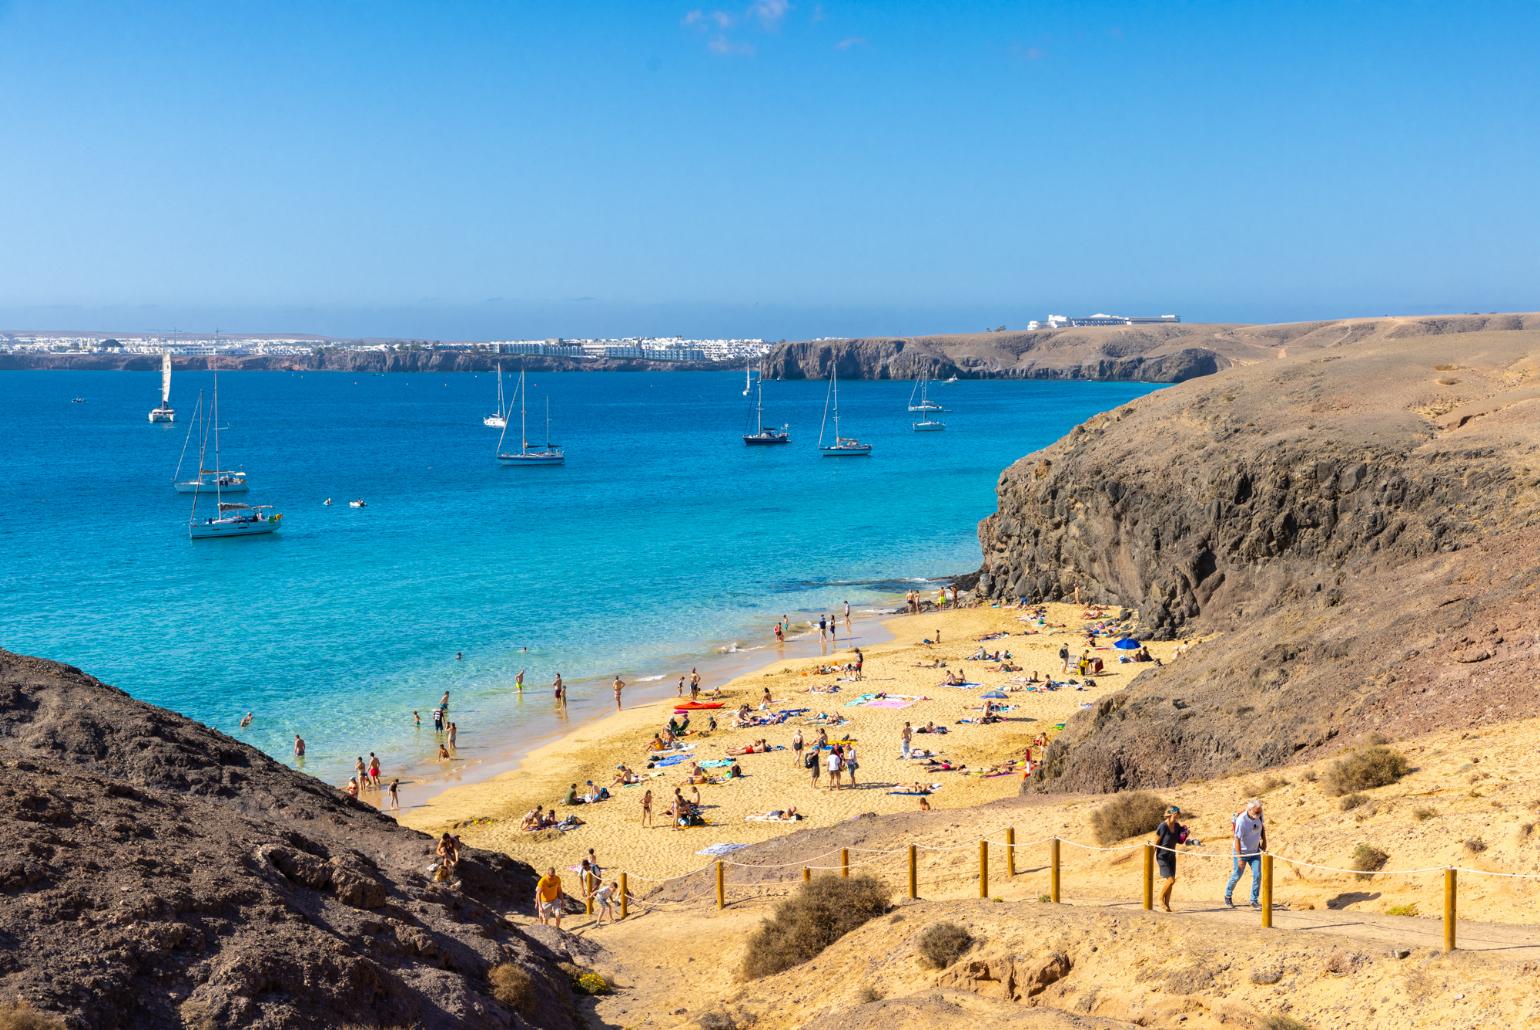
{"points": [[1356, 524], [155, 873]]}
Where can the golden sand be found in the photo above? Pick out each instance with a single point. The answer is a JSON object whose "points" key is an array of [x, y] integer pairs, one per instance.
{"points": [[488, 814]]}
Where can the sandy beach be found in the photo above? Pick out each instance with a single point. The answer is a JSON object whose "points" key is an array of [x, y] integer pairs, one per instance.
{"points": [[909, 671]]}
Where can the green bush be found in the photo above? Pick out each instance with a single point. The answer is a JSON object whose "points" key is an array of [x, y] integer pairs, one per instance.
{"points": [[820, 913], [944, 943], [1372, 767], [1127, 815]]}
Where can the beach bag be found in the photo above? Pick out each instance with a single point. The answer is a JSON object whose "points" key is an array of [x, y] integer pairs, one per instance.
{"points": [[811, 761]]}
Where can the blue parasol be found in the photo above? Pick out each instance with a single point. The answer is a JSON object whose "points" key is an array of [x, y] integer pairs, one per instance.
{"points": [[997, 695], [1127, 644]]}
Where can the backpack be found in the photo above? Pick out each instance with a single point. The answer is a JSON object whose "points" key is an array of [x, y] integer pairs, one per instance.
{"points": [[811, 760]]}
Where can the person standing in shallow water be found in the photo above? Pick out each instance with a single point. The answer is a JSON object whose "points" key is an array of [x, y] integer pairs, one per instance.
{"points": [[299, 748], [558, 689], [620, 685]]}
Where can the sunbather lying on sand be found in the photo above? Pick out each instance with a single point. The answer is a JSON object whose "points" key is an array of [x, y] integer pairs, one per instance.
{"points": [[759, 747], [775, 815]]}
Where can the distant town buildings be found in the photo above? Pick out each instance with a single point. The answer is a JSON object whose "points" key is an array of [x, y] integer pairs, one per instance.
{"points": [[1064, 321]]}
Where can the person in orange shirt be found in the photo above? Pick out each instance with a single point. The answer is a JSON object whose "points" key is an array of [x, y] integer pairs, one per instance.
{"points": [[548, 899]]}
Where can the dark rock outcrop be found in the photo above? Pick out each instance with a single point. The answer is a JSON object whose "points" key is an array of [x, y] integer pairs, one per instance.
{"points": [[1315, 512], [155, 873]]}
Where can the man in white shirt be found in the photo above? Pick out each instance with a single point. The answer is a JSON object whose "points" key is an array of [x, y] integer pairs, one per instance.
{"points": [[1248, 840]]}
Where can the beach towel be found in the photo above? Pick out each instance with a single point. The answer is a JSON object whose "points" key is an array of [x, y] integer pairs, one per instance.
{"points": [[917, 793], [671, 760], [889, 702], [969, 683], [768, 818], [718, 850], [717, 763]]}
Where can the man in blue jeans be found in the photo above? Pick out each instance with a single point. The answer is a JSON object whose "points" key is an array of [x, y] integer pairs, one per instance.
{"points": [[1248, 840]]}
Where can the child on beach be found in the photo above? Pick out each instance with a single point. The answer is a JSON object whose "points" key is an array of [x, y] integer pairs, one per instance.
{"points": [[604, 901], [395, 796]]}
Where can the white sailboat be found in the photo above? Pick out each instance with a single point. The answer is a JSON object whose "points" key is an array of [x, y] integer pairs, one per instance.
{"points": [[164, 412], [499, 418], [761, 435], [230, 518], [748, 381], [207, 479], [922, 389], [550, 454], [843, 446]]}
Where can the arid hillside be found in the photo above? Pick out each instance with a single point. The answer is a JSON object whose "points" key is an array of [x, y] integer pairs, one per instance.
{"points": [[1356, 525], [155, 873]]}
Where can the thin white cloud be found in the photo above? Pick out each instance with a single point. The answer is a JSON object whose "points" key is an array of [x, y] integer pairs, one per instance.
{"points": [[850, 41], [769, 12], [728, 48]]}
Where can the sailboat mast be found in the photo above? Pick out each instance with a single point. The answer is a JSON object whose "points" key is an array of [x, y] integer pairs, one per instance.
{"points": [[523, 403], [218, 493], [759, 407]]}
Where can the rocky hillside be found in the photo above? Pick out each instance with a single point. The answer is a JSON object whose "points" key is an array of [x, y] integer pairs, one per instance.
{"points": [[1357, 521], [155, 873], [1152, 353]]}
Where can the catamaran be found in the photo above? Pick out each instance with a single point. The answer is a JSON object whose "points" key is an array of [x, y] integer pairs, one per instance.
{"points": [[499, 418], [763, 435], [207, 479], [921, 388], [164, 412], [551, 454], [843, 446], [229, 518]]}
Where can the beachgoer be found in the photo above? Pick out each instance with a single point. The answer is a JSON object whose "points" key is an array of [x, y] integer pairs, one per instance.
{"points": [[814, 764], [352, 787], [548, 898], [848, 760], [620, 685], [416, 719], [907, 736], [1064, 659], [780, 635], [438, 720], [299, 748], [924, 804], [823, 627], [395, 793], [518, 682], [847, 614], [572, 796], [860, 664], [604, 901], [361, 771], [443, 702], [443, 753], [835, 764], [246, 721], [796, 747], [1168, 835], [374, 770], [1248, 841], [557, 688], [454, 735], [647, 808], [681, 686]]}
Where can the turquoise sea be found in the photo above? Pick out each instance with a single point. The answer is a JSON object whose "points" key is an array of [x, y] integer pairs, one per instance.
{"points": [[662, 541]]}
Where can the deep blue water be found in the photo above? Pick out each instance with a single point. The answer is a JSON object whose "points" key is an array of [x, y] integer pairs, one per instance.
{"points": [[662, 537]]}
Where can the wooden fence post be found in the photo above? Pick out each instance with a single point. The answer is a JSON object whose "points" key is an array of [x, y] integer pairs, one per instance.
{"points": [[1010, 851], [1449, 909], [983, 868], [1053, 872], [721, 887], [914, 873], [1148, 896], [845, 863], [807, 874], [1267, 890], [625, 897]]}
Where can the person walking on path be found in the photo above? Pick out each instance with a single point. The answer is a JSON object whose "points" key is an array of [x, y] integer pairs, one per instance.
{"points": [[1248, 841], [907, 736], [548, 898], [1168, 835]]}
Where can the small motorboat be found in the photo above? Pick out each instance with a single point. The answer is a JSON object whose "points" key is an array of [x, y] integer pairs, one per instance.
{"points": [[326, 503], [358, 504]]}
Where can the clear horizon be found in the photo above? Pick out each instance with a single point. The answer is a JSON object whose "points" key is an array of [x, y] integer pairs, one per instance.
{"points": [[763, 168]]}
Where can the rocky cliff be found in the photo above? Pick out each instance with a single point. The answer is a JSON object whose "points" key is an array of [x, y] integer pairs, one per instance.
{"points": [[1152, 353], [155, 873], [1354, 524]]}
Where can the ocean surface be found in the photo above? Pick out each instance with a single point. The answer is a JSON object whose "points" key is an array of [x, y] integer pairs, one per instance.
{"points": [[663, 539]]}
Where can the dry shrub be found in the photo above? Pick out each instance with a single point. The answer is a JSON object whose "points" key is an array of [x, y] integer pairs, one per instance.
{"points": [[513, 987], [868, 995], [1368, 859], [820, 913], [1283, 1023], [944, 943], [1423, 813], [1475, 845], [1127, 815], [1364, 770], [1409, 909], [19, 1015], [1352, 801]]}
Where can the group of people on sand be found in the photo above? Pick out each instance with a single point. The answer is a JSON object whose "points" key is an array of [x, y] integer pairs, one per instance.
{"points": [[1248, 840], [551, 899]]}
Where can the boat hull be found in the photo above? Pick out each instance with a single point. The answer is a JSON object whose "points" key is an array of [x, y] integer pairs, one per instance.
{"points": [[925, 407], [862, 451], [220, 529], [928, 427], [162, 415], [494, 422], [766, 439], [193, 487], [532, 459]]}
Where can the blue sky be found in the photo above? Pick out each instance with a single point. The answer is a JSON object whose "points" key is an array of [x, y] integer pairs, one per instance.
{"points": [[764, 168]]}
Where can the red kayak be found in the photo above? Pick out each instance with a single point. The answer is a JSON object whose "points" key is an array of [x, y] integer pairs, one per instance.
{"points": [[693, 706]]}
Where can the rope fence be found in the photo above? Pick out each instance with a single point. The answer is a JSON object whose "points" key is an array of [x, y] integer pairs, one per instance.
{"points": [[871, 859]]}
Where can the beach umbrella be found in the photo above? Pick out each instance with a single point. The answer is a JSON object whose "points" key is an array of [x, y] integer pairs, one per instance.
{"points": [[1127, 644], [997, 695]]}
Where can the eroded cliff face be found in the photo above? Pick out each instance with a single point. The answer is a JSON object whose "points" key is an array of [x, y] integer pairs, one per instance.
{"points": [[155, 873], [1305, 510]]}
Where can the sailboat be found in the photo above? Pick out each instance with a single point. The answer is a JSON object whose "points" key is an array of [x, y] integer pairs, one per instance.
{"points": [[762, 434], [843, 446], [748, 381], [229, 518], [928, 425], [499, 418], [551, 454], [922, 389], [206, 479], [164, 412]]}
